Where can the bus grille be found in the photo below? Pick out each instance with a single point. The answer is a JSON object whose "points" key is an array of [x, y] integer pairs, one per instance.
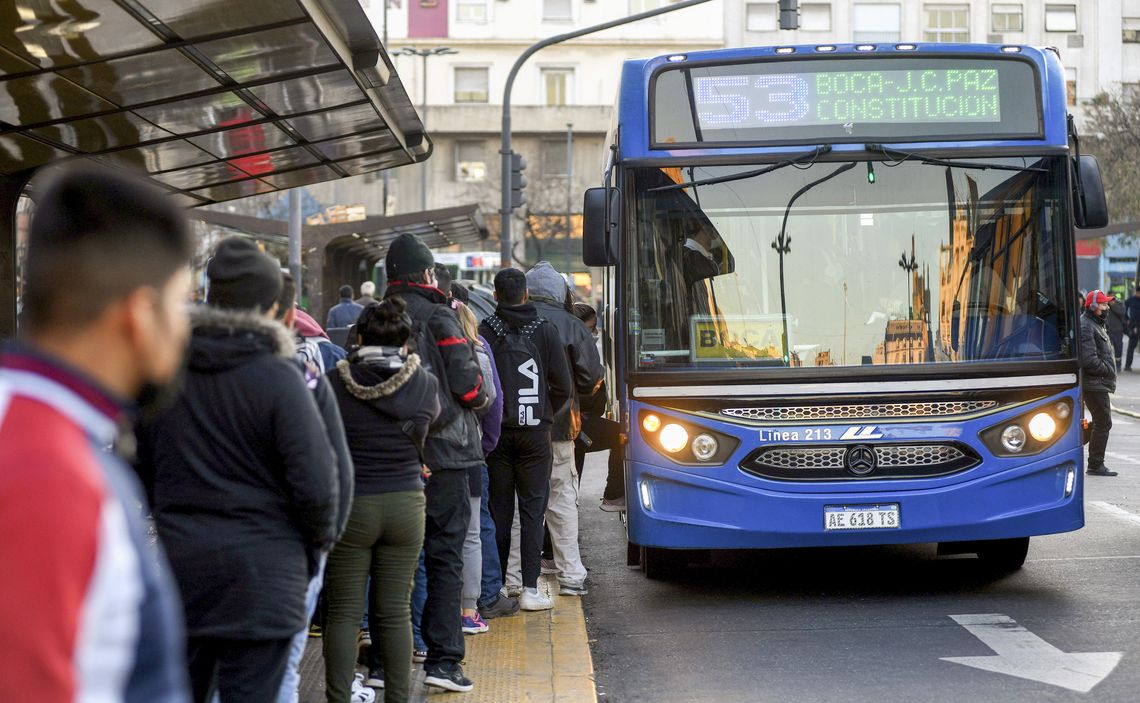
{"points": [[864, 411], [830, 462]]}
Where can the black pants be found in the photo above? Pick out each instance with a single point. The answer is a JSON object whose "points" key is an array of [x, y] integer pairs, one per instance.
{"points": [[1101, 411], [602, 434], [520, 466], [447, 511], [240, 671], [1117, 340], [1132, 340]]}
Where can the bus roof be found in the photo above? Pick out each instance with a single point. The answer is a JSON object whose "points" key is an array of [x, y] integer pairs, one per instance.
{"points": [[638, 74]]}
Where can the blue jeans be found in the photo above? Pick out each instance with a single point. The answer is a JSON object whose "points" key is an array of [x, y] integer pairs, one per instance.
{"points": [[492, 573], [419, 597], [290, 685]]}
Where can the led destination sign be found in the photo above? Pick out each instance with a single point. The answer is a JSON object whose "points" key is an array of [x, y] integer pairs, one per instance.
{"points": [[829, 97], [847, 99]]}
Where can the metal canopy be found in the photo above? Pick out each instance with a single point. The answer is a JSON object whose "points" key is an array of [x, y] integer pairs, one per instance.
{"points": [[214, 99]]}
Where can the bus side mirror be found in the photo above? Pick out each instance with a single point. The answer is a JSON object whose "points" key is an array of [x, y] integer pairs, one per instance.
{"points": [[1092, 209], [599, 226]]}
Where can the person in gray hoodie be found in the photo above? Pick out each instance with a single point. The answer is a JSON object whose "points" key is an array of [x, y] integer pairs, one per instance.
{"points": [[549, 293]]}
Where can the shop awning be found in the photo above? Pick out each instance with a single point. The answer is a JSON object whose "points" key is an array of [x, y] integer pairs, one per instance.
{"points": [[214, 99]]}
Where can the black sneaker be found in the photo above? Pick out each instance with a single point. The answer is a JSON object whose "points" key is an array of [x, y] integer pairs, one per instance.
{"points": [[501, 607], [448, 677], [1102, 471], [375, 678]]}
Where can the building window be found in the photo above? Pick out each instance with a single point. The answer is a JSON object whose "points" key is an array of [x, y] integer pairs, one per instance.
{"points": [[554, 158], [947, 23], [1131, 30], [636, 6], [761, 17], [877, 22], [470, 161], [557, 86], [815, 17], [557, 10], [1071, 86], [471, 84], [471, 11], [1060, 18], [1007, 17]]}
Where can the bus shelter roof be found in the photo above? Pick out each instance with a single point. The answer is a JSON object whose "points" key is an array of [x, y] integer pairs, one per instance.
{"points": [[213, 99]]}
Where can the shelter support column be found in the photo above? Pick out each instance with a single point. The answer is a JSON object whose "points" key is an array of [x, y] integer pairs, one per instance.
{"points": [[10, 189]]}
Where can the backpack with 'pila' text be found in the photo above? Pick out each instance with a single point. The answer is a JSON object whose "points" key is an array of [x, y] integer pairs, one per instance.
{"points": [[525, 396]]}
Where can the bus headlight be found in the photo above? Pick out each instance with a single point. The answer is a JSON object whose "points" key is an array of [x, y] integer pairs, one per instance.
{"points": [[1062, 411], [1013, 438], [1042, 427], [705, 447], [651, 423], [673, 438]]}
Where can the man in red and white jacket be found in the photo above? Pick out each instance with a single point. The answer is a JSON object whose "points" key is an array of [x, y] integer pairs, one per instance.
{"points": [[89, 612]]}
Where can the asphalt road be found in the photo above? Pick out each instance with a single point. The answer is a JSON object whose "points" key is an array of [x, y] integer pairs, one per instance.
{"points": [[870, 624]]}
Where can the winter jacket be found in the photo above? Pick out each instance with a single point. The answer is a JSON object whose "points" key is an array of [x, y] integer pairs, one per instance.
{"points": [[548, 293], [453, 442], [492, 423], [1114, 320], [242, 479], [387, 404], [559, 385], [343, 314], [1098, 364], [1132, 310], [90, 611]]}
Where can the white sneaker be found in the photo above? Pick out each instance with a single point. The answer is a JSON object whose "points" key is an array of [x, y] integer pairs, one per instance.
{"points": [[360, 693], [531, 599]]}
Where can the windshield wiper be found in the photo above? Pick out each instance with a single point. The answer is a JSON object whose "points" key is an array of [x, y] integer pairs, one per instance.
{"points": [[802, 158], [901, 156]]}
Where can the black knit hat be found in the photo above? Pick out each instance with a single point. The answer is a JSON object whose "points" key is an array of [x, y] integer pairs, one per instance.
{"points": [[407, 255], [243, 277]]}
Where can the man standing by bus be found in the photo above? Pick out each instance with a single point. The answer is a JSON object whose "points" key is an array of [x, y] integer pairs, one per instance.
{"points": [[1098, 378]]}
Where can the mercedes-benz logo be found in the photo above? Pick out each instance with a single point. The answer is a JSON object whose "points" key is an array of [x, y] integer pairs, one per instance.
{"points": [[861, 459]]}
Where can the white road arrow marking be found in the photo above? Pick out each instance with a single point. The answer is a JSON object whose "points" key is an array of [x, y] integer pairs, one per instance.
{"points": [[1023, 654]]}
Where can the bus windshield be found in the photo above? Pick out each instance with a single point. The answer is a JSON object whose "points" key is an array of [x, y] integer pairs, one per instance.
{"points": [[882, 262]]}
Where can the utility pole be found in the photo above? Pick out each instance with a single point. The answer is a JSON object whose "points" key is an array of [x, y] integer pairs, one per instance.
{"points": [[569, 184], [295, 238], [505, 143], [423, 54]]}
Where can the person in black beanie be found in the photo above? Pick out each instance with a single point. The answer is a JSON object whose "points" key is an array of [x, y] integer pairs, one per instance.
{"points": [[242, 479], [453, 446]]}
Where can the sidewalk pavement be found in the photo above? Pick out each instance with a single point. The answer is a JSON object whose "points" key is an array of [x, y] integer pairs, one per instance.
{"points": [[1126, 400], [536, 657]]}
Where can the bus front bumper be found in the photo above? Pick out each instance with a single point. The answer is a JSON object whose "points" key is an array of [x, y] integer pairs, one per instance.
{"points": [[686, 510]]}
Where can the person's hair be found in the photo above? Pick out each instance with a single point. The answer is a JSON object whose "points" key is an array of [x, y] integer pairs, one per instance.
{"points": [[385, 324], [96, 236], [585, 312], [459, 292], [287, 296], [416, 277], [346, 291], [368, 288], [510, 286], [468, 322], [443, 278]]}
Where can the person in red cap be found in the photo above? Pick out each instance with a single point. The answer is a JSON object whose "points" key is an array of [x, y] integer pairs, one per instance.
{"points": [[1098, 377]]}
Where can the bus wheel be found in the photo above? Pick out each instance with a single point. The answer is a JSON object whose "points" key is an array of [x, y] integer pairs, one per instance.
{"points": [[1004, 555], [658, 563]]}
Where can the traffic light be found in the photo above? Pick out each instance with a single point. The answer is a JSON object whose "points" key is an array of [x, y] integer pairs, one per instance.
{"points": [[518, 180], [789, 14]]}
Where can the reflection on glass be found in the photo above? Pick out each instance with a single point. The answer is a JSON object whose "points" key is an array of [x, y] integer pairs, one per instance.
{"points": [[981, 275]]}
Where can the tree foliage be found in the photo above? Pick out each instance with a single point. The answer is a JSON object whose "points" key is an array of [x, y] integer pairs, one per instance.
{"points": [[1111, 131]]}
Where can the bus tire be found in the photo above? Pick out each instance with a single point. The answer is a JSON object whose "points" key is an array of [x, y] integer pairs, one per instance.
{"points": [[1003, 555], [659, 564]]}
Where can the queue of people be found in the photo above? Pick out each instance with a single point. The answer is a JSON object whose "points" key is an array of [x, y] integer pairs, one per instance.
{"points": [[276, 466]]}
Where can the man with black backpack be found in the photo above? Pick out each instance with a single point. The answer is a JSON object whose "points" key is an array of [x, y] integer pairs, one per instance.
{"points": [[535, 377], [453, 446]]}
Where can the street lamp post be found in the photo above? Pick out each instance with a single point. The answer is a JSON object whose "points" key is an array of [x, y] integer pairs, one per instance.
{"points": [[424, 54]]}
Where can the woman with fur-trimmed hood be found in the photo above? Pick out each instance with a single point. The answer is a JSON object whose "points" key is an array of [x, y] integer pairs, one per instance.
{"points": [[387, 400]]}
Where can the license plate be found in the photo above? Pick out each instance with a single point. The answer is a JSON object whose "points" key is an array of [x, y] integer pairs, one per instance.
{"points": [[883, 516]]}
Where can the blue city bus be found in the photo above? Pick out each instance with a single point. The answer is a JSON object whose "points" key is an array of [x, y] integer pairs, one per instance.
{"points": [[840, 301]]}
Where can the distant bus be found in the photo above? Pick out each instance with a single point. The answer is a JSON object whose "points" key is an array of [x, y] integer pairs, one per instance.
{"points": [[840, 298]]}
